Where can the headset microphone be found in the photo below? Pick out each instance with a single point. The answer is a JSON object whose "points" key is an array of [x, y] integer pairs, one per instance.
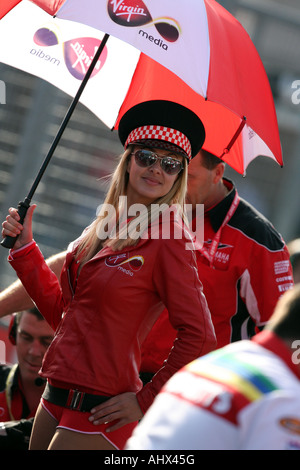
{"points": [[39, 381]]}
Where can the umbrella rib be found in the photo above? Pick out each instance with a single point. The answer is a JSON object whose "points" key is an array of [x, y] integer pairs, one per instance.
{"points": [[235, 136]]}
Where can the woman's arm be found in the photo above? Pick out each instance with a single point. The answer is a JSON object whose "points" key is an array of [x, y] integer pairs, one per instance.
{"points": [[15, 297], [39, 280]]}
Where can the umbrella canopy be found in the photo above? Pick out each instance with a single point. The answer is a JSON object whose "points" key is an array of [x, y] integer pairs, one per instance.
{"points": [[200, 57]]}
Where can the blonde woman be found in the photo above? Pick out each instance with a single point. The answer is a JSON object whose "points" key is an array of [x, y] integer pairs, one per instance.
{"points": [[116, 280]]}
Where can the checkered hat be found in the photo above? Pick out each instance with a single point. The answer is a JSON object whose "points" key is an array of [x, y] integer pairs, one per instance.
{"points": [[165, 134], [163, 124]]}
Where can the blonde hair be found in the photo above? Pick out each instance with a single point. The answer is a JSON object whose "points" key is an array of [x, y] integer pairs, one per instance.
{"points": [[91, 243]]}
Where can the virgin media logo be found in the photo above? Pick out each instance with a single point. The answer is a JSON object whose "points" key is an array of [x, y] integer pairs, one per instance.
{"points": [[78, 53], [134, 262], [133, 13]]}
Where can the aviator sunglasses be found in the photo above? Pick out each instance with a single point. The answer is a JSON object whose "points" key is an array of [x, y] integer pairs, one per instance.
{"points": [[146, 158]]}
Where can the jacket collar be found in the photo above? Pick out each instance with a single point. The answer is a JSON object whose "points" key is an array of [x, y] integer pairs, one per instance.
{"points": [[218, 212], [14, 384], [107, 251]]}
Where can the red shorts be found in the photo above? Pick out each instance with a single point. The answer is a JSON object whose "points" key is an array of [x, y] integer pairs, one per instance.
{"points": [[79, 422]]}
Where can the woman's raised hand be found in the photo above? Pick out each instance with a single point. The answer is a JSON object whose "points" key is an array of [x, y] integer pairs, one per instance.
{"points": [[11, 226]]}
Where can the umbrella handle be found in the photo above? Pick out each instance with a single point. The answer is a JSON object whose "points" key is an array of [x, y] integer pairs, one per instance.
{"points": [[9, 242]]}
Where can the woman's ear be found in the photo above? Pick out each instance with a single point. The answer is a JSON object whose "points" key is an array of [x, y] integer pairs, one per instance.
{"points": [[219, 172]]}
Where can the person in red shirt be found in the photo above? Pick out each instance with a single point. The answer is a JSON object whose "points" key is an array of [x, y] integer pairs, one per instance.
{"points": [[20, 385]]}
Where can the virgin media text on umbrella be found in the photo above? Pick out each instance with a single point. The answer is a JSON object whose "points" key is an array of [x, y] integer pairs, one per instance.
{"points": [[121, 9], [41, 55], [156, 41], [83, 59], [129, 15], [2, 92]]}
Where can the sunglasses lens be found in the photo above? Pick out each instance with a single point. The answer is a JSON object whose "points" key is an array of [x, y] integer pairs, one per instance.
{"points": [[146, 158], [171, 166]]}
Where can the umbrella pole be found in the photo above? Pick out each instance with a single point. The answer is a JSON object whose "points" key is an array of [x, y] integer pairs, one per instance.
{"points": [[8, 242]]}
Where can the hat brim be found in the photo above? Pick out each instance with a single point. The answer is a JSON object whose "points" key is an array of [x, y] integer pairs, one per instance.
{"points": [[161, 144], [164, 113]]}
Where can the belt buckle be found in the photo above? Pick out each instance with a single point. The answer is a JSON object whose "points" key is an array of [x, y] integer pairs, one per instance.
{"points": [[75, 399]]}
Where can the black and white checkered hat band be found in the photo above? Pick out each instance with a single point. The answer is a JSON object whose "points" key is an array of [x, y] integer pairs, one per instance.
{"points": [[166, 134]]}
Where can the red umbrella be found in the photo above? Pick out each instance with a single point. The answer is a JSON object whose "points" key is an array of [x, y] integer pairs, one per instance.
{"points": [[210, 51], [201, 57]]}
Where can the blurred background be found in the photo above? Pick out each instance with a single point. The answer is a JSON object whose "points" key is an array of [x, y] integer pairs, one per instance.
{"points": [[72, 188]]}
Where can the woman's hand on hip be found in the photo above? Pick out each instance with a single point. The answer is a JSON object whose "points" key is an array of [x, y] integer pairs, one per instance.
{"points": [[123, 408]]}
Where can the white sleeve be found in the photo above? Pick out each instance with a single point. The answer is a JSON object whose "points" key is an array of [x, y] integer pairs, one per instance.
{"points": [[172, 423], [272, 423]]}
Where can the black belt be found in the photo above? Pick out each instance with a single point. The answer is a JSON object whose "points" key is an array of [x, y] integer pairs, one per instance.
{"points": [[72, 399]]}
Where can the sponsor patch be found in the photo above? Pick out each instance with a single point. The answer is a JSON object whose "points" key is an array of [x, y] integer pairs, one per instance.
{"points": [[125, 263], [291, 424], [222, 256], [281, 267]]}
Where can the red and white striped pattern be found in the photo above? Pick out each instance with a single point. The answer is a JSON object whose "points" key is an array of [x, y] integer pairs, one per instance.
{"points": [[167, 134]]}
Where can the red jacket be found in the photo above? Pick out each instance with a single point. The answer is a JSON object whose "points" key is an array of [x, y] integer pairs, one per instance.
{"points": [[118, 297]]}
